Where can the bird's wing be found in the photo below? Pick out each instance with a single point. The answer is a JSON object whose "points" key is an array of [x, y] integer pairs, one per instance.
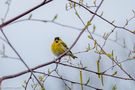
{"points": [[63, 44]]}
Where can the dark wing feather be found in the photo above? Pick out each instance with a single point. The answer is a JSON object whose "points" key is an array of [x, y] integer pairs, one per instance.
{"points": [[70, 53], [64, 45]]}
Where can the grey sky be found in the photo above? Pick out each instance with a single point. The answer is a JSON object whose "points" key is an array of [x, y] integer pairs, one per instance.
{"points": [[33, 40]]}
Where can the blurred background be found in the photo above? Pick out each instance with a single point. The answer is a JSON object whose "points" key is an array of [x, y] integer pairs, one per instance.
{"points": [[32, 40]]}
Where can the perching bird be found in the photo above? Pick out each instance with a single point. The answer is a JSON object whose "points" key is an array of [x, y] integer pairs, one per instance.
{"points": [[59, 47]]}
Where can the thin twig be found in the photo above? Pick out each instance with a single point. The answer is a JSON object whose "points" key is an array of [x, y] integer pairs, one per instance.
{"points": [[115, 26], [8, 2], [95, 14], [67, 26], [27, 82], [67, 80], [23, 14], [19, 56], [102, 73], [63, 80], [13, 19]]}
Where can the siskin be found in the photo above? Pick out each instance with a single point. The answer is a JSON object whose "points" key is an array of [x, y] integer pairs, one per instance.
{"points": [[59, 47]]}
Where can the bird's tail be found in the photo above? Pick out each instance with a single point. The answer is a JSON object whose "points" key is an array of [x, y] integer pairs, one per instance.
{"points": [[73, 56]]}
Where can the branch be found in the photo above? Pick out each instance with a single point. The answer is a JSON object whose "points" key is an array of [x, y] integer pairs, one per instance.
{"points": [[54, 62], [95, 14], [23, 14], [67, 80], [10, 21], [102, 73], [115, 26], [26, 71], [63, 25], [83, 30]]}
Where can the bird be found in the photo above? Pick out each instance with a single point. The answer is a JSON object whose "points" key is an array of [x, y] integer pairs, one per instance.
{"points": [[58, 47]]}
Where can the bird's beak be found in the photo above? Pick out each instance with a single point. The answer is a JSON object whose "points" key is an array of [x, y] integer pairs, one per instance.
{"points": [[56, 41]]}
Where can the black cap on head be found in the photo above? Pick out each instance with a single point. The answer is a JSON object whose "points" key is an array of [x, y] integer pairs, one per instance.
{"points": [[57, 38]]}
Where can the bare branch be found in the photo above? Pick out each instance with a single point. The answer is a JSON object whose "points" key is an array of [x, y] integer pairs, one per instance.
{"points": [[67, 80], [115, 26], [23, 14]]}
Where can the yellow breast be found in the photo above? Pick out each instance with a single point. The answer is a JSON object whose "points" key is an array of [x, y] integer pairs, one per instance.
{"points": [[57, 49]]}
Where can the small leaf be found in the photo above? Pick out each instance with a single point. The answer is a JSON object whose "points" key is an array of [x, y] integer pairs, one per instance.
{"points": [[30, 17], [23, 86], [114, 87], [100, 52], [106, 35], [55, 17], [70, 4], [133, 12], [126, 23], [109, 55], [133, 31], [102, 80], [89, 36], [88, 81], [94, 28], [49, 71], [95, 43], [74, 5], [101, 13], [81, 79], [113, 21], [98, 68], [114, 73], [43, 88], [77, 14], [41, 78], [94, 2], [87, 25], [66, 7], [81, 1], [120, 65], [88, 48]]}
